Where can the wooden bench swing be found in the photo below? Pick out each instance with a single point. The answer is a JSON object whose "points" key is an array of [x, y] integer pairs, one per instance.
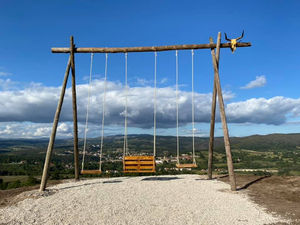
{"points": [[99, 171], [178, 164], [139, 163]]}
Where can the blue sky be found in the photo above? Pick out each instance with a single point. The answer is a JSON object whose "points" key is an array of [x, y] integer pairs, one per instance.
{"points": [[260, 83]]}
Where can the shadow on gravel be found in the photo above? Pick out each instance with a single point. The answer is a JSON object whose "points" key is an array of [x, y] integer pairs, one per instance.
{"points": [[112, 181], [214, 178], [160, 178], [75, 186], [252, 182]]}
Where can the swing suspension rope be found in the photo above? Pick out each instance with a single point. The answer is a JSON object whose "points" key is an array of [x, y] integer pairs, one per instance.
{"points": [[87, 113], [155, 105], [177, 111], [103, 112], [177, 107], [125, 147], [193, 108]]}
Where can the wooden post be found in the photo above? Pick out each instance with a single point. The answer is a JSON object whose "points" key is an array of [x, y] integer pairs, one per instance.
{"points": [[224, 122], [213, 113], [54, 128], [75, 126]]}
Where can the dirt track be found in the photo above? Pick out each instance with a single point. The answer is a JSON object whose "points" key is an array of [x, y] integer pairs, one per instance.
{"points": [[280, 195]]}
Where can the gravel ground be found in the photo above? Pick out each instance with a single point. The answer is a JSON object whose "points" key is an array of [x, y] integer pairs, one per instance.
{"points": [[181, 199]]}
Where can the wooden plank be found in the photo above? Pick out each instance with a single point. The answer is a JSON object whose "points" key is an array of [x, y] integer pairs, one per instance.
{"points": [[224, 122], [132, 167], [140, 171], [138, 167], [139, 162], [186, 165], [144, 158], [147, 49], [54, 128], [146, 167], [91, 172]]}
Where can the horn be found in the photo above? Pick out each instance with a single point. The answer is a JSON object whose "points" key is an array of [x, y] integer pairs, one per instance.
{"points": [[241, 36], [227, 39]]}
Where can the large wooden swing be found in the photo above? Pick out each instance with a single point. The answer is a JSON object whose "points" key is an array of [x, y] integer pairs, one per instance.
{"points": [[142, 163], [139, 164]]}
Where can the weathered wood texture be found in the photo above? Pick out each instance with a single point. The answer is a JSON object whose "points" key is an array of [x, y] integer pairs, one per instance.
{"points": [[186, 165], [74, 104], [224, 122], [91, 172], [54, 129], [139, 164], [147, 49], [213, 114]]}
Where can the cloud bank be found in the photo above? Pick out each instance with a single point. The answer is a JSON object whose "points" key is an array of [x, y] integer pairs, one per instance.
{"points": [[260, 81], [36, 105]]}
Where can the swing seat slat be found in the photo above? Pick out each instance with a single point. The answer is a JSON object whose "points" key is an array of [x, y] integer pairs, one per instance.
{"points": [[186, 165], [91, 172]]}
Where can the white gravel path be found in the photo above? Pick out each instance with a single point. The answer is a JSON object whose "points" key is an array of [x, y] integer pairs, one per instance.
{"points": [[182, 199]]}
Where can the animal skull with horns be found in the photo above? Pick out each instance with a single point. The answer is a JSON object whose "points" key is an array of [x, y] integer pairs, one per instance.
{"points": [[234, 41]]}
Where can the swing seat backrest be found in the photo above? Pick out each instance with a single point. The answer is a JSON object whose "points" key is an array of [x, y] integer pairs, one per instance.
{"points": [[139, 164]]}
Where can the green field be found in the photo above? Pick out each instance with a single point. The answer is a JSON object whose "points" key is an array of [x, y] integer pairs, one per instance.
{"points": [[20, 159]]}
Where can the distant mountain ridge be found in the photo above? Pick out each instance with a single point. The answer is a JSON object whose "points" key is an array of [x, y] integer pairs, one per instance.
{"points": [[166, 143]]}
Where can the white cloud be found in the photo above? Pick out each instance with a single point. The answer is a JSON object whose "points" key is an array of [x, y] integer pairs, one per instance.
{"points": [[7, 84], [4, 74], [260, 81], [164, 80], [263, 111], [7, 130], [142, 82], [36, 104]]}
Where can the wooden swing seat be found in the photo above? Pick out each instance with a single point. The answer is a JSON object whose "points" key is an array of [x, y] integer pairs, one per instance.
{"points": [[186, 165], [139, 164], [91, 172]]}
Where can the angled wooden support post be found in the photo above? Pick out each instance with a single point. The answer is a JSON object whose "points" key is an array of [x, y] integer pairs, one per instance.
{"points": [[213, 113], [54, 128], [223, 118], [74, 104]]}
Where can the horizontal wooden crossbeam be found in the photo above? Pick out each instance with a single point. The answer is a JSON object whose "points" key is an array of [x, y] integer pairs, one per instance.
{"points": [[147, 49]]}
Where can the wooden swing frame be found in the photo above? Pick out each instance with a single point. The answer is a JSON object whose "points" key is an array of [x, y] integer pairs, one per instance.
{"points": [[216, 91]]}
